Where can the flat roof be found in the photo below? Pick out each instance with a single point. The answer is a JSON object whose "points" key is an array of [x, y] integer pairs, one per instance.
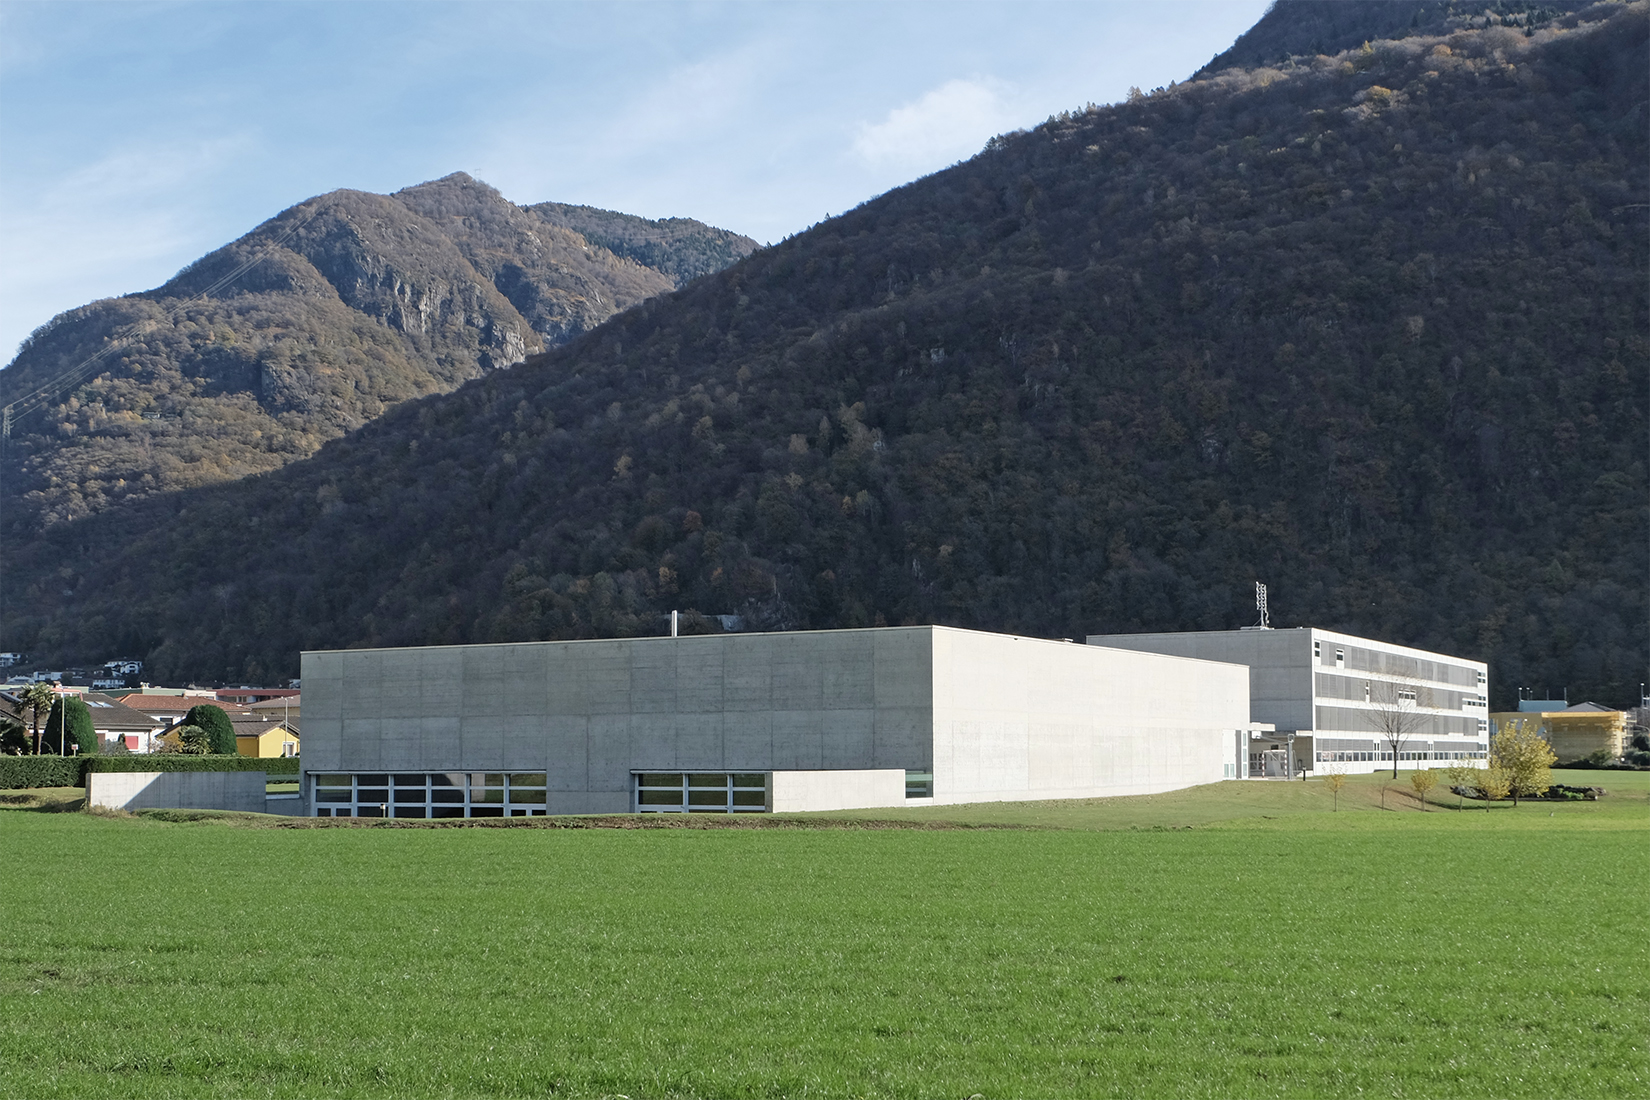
{"points": [[758, 634]]}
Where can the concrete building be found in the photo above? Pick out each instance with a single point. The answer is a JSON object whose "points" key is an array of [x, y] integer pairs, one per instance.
{"points": [[1334, 699], [760, 722]]}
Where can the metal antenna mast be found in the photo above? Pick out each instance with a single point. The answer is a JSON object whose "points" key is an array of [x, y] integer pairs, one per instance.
{"points": [[1260, 605]]}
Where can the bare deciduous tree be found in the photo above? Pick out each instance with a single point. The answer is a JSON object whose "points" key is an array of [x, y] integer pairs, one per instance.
{"points": [[1399, 711]]}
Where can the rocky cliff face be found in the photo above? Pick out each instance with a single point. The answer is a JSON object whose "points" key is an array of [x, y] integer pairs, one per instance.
{"points": [[356, 301]]}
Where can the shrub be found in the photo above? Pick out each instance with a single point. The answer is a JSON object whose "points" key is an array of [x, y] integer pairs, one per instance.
{"points": [[21, 772], [220, 731], [17, 772], [82, 735], [194, 741]]}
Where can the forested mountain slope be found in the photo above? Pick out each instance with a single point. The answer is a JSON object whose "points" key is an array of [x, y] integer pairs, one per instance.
{"points": [[680, 247], [363, 300], [1370, 328], [1306, 28]]}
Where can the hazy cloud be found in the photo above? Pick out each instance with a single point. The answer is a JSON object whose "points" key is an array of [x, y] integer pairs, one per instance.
{"points": [[945, 125]]}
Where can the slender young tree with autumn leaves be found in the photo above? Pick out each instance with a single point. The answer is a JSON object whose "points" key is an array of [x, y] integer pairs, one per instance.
{"points": [[1520, 750]]}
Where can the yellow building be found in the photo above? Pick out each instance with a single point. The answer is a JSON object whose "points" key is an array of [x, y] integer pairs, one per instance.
{"points": [[265, 739], [1575, 733]]}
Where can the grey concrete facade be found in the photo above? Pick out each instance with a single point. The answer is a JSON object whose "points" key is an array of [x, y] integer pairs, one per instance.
{"points": [[989, 717], [1327, 688]]}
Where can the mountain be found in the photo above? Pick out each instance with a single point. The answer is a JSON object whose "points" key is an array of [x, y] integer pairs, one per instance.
{"points": [[680, 247], [357, 302], [1306, 28], [1369, 328]]}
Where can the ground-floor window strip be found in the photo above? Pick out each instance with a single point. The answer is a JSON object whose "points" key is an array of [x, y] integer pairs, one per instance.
{"points": [[428, 794], [1333, 757], [700, 792]]}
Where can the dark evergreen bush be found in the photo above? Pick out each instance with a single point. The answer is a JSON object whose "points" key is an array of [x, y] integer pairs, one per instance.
{"points": [[82, 735], [220, 732]]}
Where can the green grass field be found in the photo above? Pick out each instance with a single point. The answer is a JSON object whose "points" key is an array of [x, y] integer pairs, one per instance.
{"points": [[1272, 948]]}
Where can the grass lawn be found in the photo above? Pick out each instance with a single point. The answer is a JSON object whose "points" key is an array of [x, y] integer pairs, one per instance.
{"points": [[1274, 948]]}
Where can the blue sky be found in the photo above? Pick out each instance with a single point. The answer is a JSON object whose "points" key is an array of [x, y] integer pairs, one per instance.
{"points": [[134, 137]]}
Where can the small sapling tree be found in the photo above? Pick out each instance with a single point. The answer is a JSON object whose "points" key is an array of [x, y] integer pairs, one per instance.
{"points": [[1461, 776], [220, 732], [1423, 780], [1519, 750], [1494, 783], [1335, 781]]}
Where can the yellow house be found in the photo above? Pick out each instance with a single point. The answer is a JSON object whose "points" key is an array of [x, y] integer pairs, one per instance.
{"points": [[1575, 733], [265, 739]]}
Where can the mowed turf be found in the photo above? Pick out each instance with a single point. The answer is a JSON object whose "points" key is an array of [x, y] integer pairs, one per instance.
{"points": [[1291, 953]]}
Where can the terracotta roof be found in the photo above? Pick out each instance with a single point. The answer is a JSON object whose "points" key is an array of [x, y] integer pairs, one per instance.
{"points": [[176, 704]]}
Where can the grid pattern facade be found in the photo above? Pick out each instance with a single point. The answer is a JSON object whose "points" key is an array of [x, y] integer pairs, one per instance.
{"points": [[428, 794], [700, 792]]}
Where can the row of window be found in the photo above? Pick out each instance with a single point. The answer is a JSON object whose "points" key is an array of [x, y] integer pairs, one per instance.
{"points": [[522, 794], [700, 792], [1332, 757], [430, 794]]}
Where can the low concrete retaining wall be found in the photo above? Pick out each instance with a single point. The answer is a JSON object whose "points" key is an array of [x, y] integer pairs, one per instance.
{"points": [[795, 792], [290, 804], [178, 791]]}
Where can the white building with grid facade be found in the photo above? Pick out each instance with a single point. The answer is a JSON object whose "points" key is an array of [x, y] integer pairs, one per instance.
{"points": [[1339, 702]]}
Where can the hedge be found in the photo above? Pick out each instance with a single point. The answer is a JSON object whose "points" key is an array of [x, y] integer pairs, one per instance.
{"points": [[70, 771], [39, 771]]}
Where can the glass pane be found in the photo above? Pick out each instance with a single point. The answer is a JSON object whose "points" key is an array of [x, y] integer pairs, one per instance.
{"points": [[487, 811], [409, 781], [446, 794], [757, 780], [447, 811], [520, 797], [373, 780], [380, 794], [750, 798], [698, 810], [659, 780], [527, 779], [708, 781], [368, 811], [402, 794], [447, 779], [332, 781], [494, 779], [492, 794], [707, 798], [406, 811], [659, 798], [332, 794]]}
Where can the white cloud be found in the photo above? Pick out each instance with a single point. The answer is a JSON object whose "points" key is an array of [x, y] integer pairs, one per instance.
{"points": [[945, 125]]}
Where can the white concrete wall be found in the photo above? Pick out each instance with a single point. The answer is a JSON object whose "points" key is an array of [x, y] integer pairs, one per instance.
{"points": [[177, 790], [1279, 661], [589, 713], [1023, 718], [795, 792]]}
